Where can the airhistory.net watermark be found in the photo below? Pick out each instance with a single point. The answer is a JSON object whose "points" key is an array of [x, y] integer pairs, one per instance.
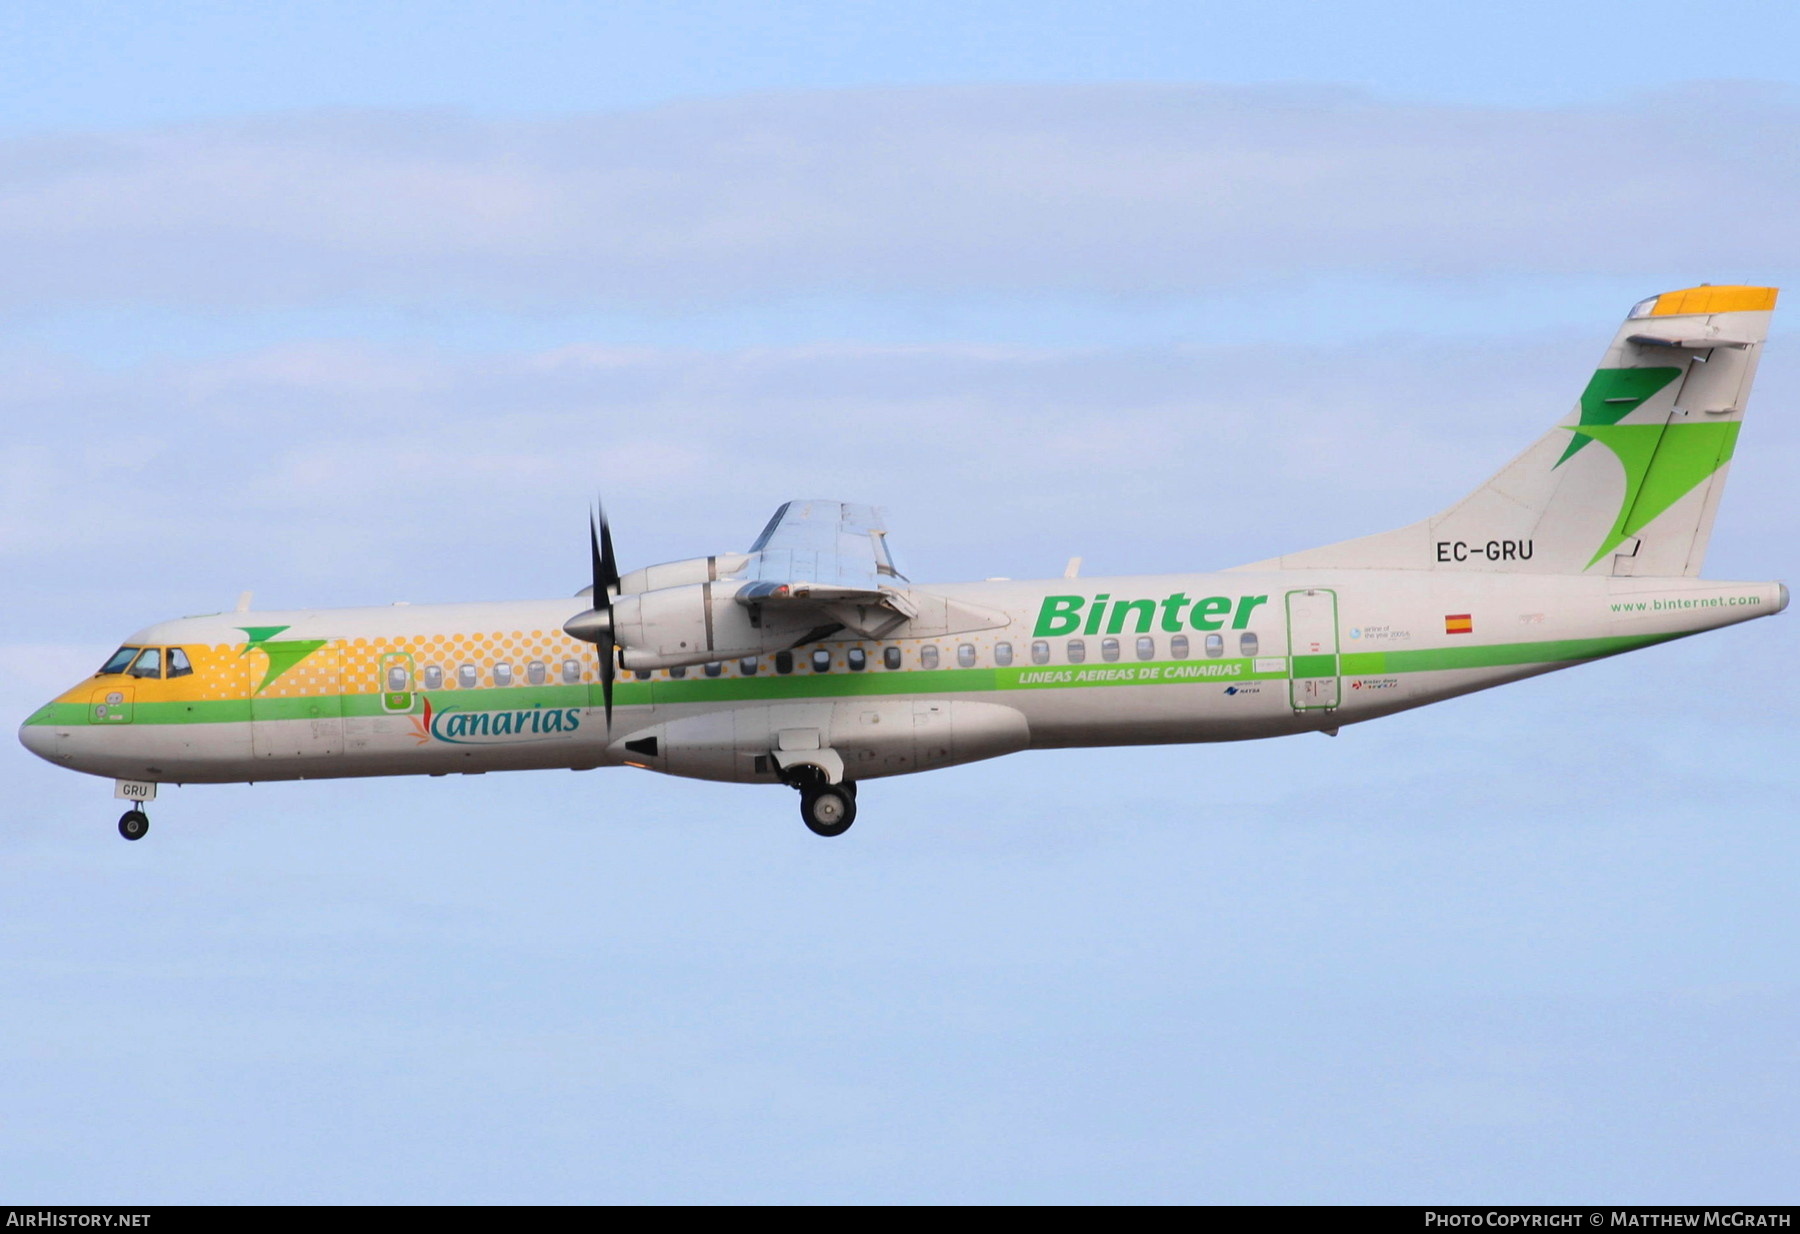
{"points": [[51, 1219]]}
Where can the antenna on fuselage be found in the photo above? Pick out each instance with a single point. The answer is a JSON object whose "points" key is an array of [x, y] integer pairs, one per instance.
{"points": [[1073, 568], [243, 604]]}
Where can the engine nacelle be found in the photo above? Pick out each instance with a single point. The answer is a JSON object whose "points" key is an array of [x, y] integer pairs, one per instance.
{"points": [[692, 624], [852, 738], [681, 573]]}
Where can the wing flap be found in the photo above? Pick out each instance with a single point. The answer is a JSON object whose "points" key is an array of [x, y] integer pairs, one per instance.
{"points": [[872, 613]]}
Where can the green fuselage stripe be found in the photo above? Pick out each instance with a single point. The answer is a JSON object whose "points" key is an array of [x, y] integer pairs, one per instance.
{"points": [[840, 683], [1315, 666], [1496, 655]]}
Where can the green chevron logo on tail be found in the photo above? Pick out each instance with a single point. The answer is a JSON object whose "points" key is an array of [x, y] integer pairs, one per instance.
{"points": [[1663, 463], [1611, 395]]}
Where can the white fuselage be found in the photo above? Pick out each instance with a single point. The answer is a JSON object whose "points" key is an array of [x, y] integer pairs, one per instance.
{"points": [[1068, 662]]}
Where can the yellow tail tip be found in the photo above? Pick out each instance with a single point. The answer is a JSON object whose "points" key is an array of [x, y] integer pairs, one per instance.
{"points": [[1710, 299]]}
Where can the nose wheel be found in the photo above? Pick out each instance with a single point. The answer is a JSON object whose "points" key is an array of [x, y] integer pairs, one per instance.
{"points": [[134, 824]]}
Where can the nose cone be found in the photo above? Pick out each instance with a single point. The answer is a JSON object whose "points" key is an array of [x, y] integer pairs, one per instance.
{"points": [[41, 739]]}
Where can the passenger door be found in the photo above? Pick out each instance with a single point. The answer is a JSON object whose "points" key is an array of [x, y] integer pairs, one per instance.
{"points": [[1313, 649]]}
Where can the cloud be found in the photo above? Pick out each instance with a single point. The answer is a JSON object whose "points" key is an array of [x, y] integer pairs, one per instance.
{"points": [[1115, 190], [350, 473]]}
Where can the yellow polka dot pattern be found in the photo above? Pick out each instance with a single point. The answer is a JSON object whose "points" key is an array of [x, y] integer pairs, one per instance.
{"points": [[219, 673], [225, 671], [357, 667]]}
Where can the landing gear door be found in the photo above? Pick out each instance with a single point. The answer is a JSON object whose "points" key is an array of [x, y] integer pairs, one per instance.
{"points": [[1313, 649], [300, 711]]}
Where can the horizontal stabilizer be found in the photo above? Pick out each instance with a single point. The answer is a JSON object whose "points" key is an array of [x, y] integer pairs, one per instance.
{"points": [[1691, 342]]}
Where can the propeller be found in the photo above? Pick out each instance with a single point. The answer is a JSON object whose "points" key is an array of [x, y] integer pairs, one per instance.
{"points": [[596, 624]]}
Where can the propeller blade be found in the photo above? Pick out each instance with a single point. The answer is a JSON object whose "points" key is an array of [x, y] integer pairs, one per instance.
{"points": [[599, 597], [606, 682], [606, 580], [607, 566]]}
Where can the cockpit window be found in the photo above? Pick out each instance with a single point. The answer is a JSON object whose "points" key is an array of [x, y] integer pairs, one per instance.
{"points": [[117, 663], [148, 663], [178, 663]]}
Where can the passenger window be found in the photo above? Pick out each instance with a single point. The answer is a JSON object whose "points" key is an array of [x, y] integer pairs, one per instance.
{"points": [[1077, 651], [571, 672], [713, 668], [1109, 649], [1146, 649], [503, 674], [535, 673], [678, 672], [965, 655], [395, 672], [1215, 644], [748, 666], [784, 661], [117, 663], [1002, 654], [434, 677], [149, 663], [178, 663], [857, 659], [1247, 643], [890, 657], [1178, 647], [821, 661], [465, 676], [928, 656], [1040, 652]]}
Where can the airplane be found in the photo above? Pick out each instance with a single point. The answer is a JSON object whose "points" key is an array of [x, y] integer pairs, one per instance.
{"points": [[808, 660]]}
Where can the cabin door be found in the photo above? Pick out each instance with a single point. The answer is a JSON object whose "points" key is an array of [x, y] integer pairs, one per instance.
{"points": [[1313, 649]]}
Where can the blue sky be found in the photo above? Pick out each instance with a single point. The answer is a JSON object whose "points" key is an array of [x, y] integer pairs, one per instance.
{"points": [[107, 65], [348, 304]]}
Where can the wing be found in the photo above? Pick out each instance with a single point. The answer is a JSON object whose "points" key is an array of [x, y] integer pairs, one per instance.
{"points": [[827, 563], [830, 542]]}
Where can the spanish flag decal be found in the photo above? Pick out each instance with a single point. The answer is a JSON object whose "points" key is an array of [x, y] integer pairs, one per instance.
{"points": [[1461, 623]]}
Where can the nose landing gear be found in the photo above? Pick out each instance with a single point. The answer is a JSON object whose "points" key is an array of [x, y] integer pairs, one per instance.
{"points": [[134, 824]]}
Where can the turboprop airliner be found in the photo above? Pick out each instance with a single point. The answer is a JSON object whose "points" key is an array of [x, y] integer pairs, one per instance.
{"points": [[809, 660]]}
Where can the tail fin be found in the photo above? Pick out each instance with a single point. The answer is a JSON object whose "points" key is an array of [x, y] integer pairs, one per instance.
{"points": [[1629, 482]]}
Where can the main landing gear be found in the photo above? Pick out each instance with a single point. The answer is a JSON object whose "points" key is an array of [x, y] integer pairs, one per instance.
{"points": [[134, 824], [826, 809]]}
